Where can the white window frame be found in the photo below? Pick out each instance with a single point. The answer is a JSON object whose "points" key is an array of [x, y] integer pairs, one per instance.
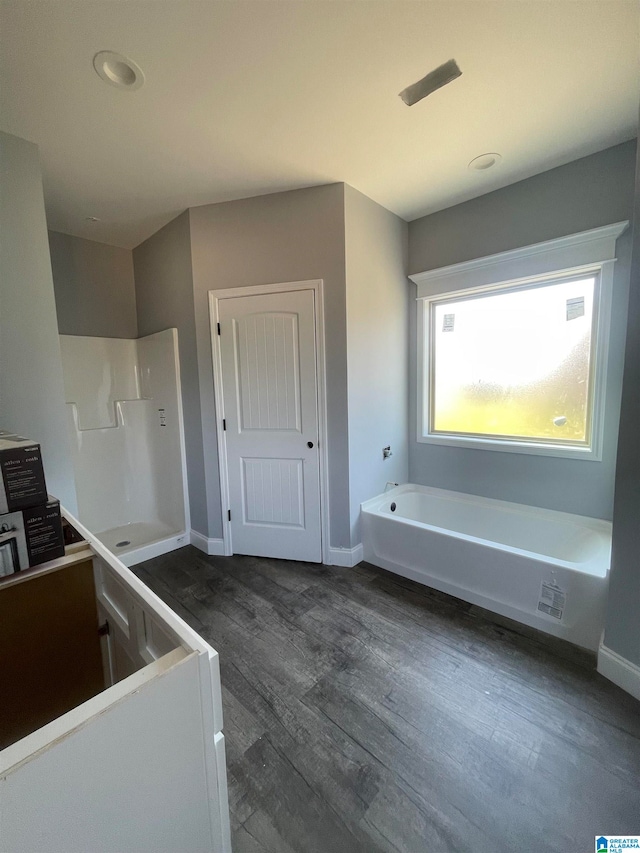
{"points": [[585, 253]]}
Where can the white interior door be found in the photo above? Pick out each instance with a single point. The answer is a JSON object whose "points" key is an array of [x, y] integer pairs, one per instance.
{"points": [[268, 354]]}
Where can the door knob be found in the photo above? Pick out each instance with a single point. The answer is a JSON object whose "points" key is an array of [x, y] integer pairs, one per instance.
{"points": [[309, 444]]}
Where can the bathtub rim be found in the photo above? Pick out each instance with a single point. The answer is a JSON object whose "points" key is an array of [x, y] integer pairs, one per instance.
{"points": [[598, 564]]}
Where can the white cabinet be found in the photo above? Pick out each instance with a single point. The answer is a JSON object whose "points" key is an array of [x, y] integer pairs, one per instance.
{"points": [[132, 634], [139, 766]]}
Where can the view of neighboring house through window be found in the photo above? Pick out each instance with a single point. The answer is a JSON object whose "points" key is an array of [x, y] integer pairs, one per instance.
{"points": [[515, 363]]}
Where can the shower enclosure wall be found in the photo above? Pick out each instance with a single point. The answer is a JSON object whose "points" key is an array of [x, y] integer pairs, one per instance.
{"points": [[125, 421]]}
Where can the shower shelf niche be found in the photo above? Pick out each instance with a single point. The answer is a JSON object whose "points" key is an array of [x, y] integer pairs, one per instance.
{"points": [[118, 419]]}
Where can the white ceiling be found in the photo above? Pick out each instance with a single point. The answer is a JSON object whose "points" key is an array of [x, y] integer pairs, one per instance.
{"points": [[244, 98]]}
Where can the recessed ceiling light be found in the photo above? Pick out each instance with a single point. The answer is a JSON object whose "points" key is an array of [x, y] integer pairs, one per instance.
{"points": [[117, 70], [485, 161]]}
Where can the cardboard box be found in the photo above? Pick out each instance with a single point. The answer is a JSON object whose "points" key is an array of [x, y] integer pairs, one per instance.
{"points": [[30, 536], [22, 482]]}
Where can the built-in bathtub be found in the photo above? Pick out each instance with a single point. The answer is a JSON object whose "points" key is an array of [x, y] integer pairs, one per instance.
{"points": [[543, 568]]}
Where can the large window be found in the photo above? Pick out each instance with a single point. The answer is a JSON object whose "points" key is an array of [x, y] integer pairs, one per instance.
{"points": [[517, 363]]}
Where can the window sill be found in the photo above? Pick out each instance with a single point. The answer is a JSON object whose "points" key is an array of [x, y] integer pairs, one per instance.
{"points": [[586, 454]]}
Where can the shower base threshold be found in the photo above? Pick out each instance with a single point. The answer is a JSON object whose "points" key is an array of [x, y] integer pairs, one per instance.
{"points": [[142, 540]]}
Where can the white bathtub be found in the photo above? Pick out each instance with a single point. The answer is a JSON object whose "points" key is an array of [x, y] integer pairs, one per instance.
{"points": [[546, 569]]}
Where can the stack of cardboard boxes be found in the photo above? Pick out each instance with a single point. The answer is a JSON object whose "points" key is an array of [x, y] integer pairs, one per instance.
{"points": [[30, 521]]}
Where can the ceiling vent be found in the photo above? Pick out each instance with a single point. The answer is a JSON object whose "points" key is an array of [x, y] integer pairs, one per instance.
{"points": [[435, 79]]}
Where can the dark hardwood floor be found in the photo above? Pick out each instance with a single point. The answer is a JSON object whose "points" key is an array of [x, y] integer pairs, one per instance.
{"points": [[364, 712]]}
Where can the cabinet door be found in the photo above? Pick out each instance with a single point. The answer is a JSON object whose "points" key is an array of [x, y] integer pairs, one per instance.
{"points": [[133, 637], [116, 660], [157, 642]]}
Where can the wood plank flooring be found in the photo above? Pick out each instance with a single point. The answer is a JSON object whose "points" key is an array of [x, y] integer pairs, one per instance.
{"points": [[365, 713]]}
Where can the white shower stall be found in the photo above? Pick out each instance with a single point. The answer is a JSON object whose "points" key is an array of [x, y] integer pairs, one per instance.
{"points": [[124, 414]]}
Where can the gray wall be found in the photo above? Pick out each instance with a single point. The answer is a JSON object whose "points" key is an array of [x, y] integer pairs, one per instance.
{"points": [[377, 349], [622, 631], [164, 298], [31, 385], [587, 193], [94, 287], [292, 236]]}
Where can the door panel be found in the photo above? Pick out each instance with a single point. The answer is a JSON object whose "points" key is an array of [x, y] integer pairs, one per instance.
{"points": [[273, 491], [269, 379], [268, 365]]}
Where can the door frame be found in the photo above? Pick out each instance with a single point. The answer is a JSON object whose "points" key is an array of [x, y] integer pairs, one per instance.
{"points": [[215, 297]]}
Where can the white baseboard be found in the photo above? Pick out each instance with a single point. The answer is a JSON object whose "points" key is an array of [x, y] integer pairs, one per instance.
{"points": [[212, 547], [337, 556], [347, 557], [619, 670]]}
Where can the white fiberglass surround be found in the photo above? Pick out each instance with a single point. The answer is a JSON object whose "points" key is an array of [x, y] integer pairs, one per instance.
{"points": [[125, 423], [544, 568]]}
